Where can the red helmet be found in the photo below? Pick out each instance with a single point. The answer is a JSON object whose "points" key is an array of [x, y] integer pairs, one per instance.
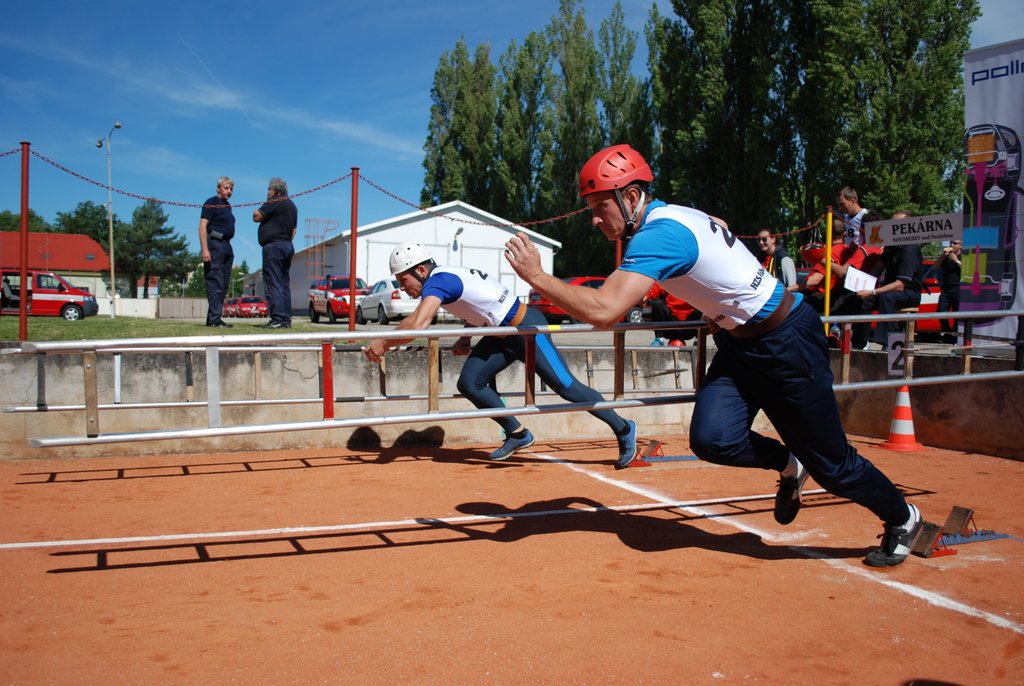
{"points": [[813, 253], [613, 168]]}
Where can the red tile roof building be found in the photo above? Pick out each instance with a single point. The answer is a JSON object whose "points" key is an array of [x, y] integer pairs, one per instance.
{"points": [[59, 252]]}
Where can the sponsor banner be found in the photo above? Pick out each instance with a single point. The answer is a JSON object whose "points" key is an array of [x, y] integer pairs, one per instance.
{"points": [[911, 230], [993, 228]]}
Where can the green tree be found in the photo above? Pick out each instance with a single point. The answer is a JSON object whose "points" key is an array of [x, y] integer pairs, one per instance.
{"points": [[9, 221], [910, 127], [460, 142], [765, 109], [196, 286], [576, 137], [729, 129], [625, 98], [149, 248], [238, 274], [91, 220], [523, 124]]}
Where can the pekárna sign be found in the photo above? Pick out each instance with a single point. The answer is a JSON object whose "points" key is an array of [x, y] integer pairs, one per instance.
{"points": [[911, 230]]}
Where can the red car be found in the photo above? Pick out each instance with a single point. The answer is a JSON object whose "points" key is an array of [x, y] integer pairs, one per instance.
{"points": [[555, 314], [328, 296], [230, 307], [929, 301], [252, 306]]}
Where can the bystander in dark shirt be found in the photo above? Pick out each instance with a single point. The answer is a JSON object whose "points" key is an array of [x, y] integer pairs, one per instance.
{"points": [[280, 217]]}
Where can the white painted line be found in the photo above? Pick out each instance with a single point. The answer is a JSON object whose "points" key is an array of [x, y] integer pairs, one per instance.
{"points": [[874, 576], [929, 597], [693, 508]]}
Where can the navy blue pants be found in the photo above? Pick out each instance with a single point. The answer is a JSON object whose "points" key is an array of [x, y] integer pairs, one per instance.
{"points": [[891, 302], [218, 275], [786, 374], [277, 263], [492, 354], [949, 301]]}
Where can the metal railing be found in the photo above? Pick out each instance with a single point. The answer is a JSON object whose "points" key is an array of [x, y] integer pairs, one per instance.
{"points": [[327, 343]]}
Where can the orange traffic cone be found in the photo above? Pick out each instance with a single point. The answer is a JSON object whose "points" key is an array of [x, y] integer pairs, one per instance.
{"points": [[901, 433]]}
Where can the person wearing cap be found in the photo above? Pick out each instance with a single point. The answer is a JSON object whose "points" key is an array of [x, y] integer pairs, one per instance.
{"points": [[772, 354], [481, 300]]}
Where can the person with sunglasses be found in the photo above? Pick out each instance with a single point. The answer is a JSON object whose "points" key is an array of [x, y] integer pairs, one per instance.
{"points": [[775, 258], [948, 265]]}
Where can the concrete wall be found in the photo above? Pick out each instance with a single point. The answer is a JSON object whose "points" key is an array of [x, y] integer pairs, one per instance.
{"points": [[164, 377], [981, 417]]}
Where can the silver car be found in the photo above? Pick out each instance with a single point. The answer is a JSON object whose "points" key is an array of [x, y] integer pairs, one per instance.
{"points": [[385, 302]]}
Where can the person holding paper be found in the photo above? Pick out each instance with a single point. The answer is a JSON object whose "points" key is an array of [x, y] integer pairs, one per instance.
{"points": [[859, 258]]}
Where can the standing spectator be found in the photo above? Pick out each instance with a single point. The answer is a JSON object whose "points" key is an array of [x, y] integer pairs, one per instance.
{"points": [[854, 216], [900, 286], [278, 219], [772, 353], [216, 229], [482, 300], [775, 258], [949, 287]]}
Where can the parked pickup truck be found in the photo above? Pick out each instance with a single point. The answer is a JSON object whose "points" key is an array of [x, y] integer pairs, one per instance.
{"points": [[328, 297]]}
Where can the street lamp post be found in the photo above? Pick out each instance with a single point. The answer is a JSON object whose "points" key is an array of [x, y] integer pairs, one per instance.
{"points": [[110, 218]]}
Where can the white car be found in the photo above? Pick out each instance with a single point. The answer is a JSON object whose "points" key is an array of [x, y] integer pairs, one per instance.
{"points": [[385, 302]]}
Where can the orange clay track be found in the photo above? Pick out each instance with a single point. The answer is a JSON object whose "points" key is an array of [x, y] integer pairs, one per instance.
{"points": [[431, 566]]}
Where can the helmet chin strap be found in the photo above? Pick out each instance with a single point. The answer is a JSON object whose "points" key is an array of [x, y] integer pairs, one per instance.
{"points": [[416, 274], [630, 220]]}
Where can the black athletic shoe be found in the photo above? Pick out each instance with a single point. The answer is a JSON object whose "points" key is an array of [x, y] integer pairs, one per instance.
{"points": [[627, 446], [787, 498], [897, 542], [221, 325], [279, 325]]}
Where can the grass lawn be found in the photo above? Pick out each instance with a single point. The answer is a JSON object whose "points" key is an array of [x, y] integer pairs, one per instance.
{"points": [[103, 327]]}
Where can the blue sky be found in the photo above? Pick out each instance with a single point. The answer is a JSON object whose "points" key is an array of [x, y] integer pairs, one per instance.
{"points": [[304, 91]]}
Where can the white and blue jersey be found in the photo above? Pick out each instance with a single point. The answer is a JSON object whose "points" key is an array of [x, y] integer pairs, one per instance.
{"points": [[853, 228], [471, 295], [481, 300], [699, 260]]}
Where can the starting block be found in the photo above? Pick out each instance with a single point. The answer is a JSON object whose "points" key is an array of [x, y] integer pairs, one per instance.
{"points": [[653, 448], [655, 453], [932, 541]]}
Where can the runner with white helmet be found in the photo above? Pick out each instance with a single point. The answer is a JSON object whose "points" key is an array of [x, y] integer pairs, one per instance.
{"points": [[481, 300]]}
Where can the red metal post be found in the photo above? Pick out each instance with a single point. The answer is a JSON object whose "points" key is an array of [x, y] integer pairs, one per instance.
{"points": [[23, 295], [352, 251], [328, 363]]}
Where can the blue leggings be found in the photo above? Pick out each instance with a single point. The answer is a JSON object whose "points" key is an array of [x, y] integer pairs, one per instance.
{"points": [[492, 354], [786, 373]]}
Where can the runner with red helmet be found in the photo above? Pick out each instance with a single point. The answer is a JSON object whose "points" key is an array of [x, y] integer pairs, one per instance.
{"points": [[772, 353]]}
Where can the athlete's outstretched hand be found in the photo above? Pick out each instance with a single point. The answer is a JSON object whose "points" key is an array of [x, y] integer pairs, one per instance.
{"points": [[524, 257]]}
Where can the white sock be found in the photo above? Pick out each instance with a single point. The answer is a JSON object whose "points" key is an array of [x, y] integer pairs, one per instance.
{"points": [[792, 467], [913, 517]]}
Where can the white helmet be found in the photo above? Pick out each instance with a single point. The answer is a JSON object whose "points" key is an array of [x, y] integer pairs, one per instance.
{"points": [[408, 255]]}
